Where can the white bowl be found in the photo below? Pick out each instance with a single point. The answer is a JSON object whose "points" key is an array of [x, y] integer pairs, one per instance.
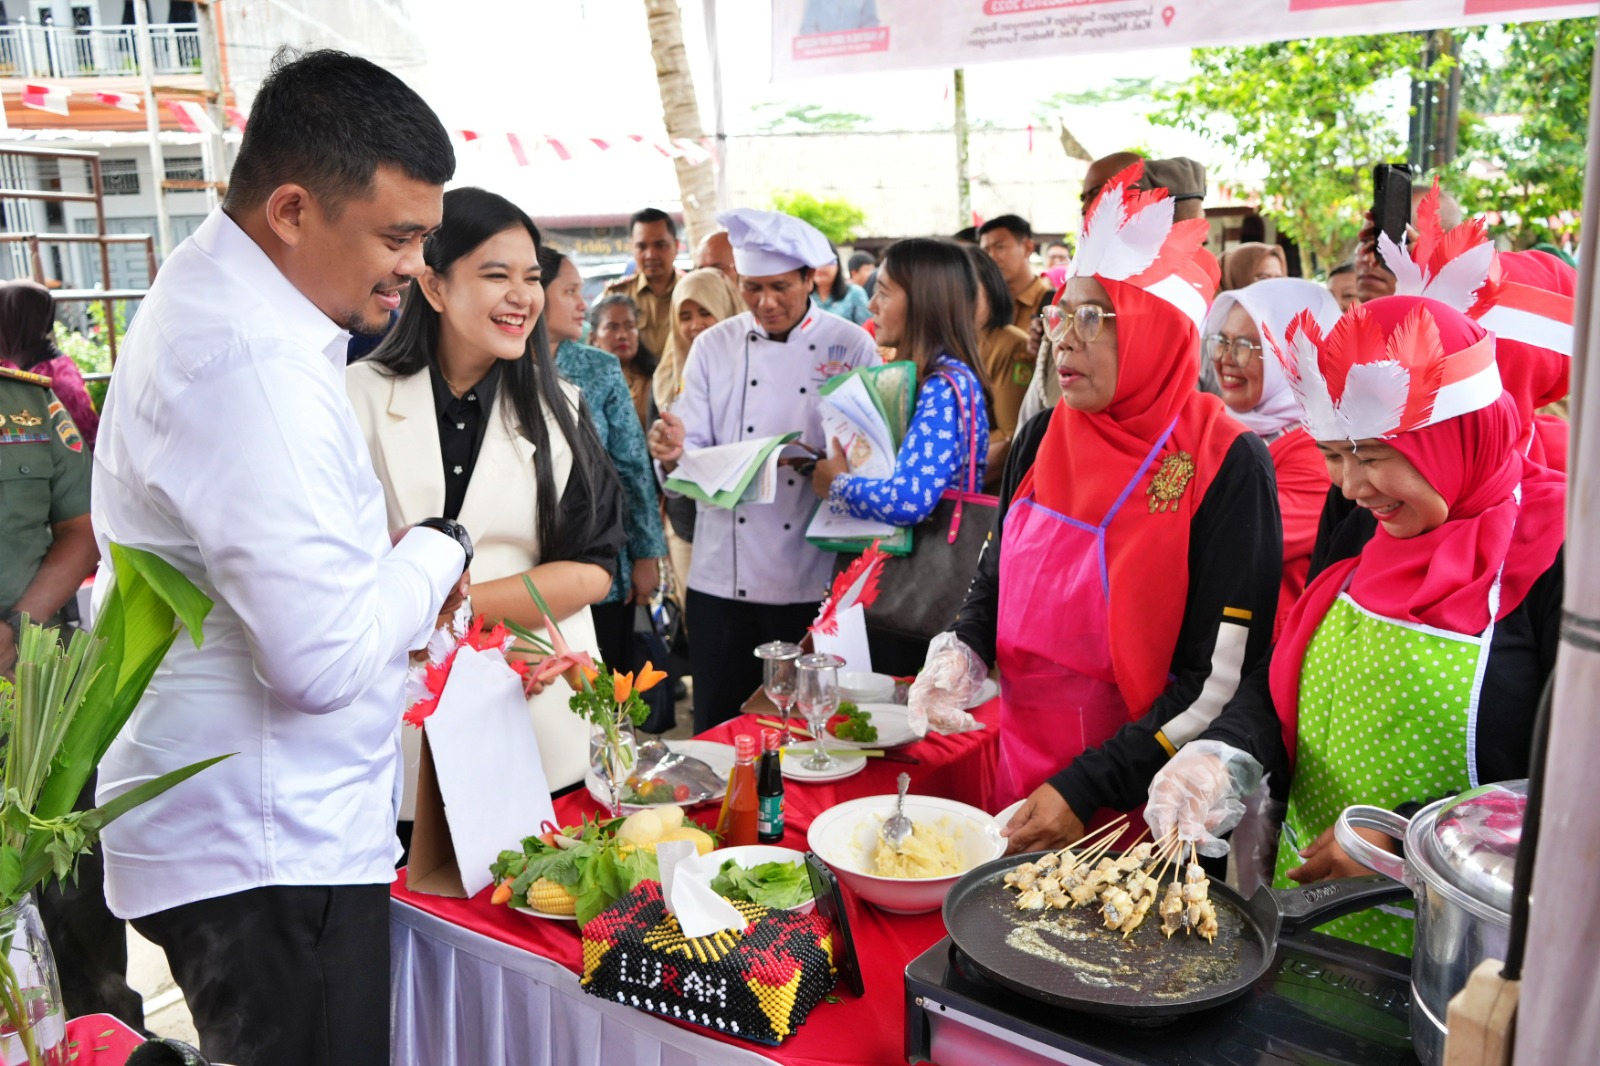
{"points": [[846, 836], [866, 688], [704, 868]]}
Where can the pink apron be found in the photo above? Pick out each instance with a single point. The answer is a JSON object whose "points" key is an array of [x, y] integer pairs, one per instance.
{"points": [[1058, 692]]}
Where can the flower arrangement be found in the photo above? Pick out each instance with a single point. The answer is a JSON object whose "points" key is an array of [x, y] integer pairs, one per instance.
{"points": [[58, 717]]}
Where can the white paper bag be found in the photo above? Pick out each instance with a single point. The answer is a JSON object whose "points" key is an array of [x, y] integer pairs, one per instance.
{"points": [[486, 765]]}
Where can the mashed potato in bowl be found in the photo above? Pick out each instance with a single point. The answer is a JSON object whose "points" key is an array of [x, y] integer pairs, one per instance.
{"points": [[930, 851]]}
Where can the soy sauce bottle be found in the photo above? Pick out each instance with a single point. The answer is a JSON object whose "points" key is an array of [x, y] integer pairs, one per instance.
{"points": [[769, 790]]}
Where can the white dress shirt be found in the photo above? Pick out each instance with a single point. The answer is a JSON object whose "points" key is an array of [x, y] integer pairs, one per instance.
{"points": [[741, 384], [229, 449]]}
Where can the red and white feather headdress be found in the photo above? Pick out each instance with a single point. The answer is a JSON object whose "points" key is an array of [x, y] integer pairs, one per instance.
{"points": [[1460, 267], [1129, 236], [1356, 384]]}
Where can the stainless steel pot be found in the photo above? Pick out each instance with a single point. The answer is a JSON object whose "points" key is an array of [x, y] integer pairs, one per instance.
{"points": [[1459, 857]]}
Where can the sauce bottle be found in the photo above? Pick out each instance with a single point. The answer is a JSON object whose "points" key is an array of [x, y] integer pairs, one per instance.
{"points": [[737, 822], [769, 790]]}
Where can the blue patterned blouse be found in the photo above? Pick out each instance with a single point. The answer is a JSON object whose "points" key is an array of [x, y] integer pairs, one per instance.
{"points": [[933, 456], [599, 376]]}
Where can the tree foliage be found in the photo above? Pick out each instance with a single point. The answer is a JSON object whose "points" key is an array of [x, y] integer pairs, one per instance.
{"points": [[838, 219], [1527, 162], [1316, 114], [783, 117]]}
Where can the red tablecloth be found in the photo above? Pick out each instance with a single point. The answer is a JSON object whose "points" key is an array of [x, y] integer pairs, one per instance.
{"points": [[101, 1040], [868, 1030]]}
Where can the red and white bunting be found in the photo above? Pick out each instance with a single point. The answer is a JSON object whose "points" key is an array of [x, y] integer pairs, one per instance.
{"points": [[526, 146], [125, 101], [192, 117], [236, 118], [49, 98]]}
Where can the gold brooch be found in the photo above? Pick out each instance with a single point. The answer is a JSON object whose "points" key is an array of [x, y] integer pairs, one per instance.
{"points": [[26, 419], [1170, 481]]}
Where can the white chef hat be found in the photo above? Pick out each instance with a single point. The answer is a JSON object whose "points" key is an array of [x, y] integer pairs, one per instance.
{"points": [[769, 242]]}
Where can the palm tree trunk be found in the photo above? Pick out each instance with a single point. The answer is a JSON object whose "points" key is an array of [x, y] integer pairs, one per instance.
{"points": [[697, 185]]}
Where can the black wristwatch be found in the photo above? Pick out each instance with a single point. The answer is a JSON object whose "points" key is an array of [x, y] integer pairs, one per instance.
{"points": [[14, 620], [455, 531]]}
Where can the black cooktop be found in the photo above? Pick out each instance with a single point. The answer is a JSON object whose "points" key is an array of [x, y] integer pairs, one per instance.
{"points": [[1324, 1002]]}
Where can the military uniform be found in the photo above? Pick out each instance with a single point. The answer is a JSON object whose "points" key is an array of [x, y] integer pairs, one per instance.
{"points": [[44, 477]]}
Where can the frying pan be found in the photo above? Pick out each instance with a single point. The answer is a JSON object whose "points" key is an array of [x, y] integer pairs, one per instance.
{"points": [[1068, 958]]}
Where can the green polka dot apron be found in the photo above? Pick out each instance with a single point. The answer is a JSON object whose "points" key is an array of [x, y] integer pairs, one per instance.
{"points": [[1388, 715]]}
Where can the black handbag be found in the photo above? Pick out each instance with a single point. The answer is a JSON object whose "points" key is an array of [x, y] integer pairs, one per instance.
{"points": [[919, 594]]}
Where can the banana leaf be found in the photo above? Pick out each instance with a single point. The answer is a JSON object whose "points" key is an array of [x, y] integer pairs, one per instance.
{"points": [[136, 622]]}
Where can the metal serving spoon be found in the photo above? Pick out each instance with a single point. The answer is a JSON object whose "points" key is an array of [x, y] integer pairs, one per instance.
{"points": [[897, 826]]}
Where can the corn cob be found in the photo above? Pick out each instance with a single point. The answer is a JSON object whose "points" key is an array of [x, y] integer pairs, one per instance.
{"points": [[551, 898]]}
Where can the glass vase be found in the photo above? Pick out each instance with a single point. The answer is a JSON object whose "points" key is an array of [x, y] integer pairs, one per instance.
{"points": [[613, 753], [33, 1021]]}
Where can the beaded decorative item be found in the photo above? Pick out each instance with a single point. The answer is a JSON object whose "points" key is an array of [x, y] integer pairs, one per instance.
{"points": [[758, 984]]}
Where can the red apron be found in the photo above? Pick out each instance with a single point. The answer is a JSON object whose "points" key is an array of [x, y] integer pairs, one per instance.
{"points": [[1058, 692]]}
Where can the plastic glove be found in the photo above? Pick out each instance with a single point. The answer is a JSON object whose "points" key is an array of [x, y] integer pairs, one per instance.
{"points": [[950, 678], [1200, 794]]}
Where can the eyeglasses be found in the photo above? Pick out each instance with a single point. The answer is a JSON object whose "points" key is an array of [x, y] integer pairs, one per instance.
{"points": [[1235, 351], [1084, 320]]}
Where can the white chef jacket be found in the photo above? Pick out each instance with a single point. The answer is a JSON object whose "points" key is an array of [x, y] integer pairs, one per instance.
{"points": [[741, 384], [228, 448]]}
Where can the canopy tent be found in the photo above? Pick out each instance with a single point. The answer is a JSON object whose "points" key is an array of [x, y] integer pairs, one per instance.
{"points": [[812, 38]]}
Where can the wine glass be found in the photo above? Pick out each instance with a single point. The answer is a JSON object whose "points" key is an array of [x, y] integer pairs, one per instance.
{"points": [[778, 678], [818, 692]]}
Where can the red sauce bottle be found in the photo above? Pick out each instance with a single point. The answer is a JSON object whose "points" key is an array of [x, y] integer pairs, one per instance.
{"points": [[741, 806]]}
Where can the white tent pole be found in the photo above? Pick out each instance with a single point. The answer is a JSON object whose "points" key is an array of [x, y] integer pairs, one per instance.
{"points": [[1559, 1011]]}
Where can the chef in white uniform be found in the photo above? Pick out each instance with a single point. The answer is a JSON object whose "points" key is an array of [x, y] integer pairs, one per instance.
{"points": [[754, 578]]}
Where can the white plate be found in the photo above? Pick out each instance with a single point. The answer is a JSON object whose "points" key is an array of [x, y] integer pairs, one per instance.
{"points": [[717, 756], [866, 688], [529, 912], [1003, 819], [986, 692], [705, 867], [849, 766], [893, 723]]}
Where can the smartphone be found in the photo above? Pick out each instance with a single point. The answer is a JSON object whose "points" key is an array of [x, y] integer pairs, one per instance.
{"points": [[830, 904], [1391, 199]]}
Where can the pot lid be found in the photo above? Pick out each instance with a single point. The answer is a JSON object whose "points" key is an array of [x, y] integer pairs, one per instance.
{"points": [[1474, 838]]}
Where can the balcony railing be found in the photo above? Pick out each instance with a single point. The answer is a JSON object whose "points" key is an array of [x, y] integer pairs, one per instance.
{"points": [[32, 51]]}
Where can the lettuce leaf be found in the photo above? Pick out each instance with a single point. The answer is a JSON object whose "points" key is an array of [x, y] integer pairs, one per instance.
{"points": [[771, 884]]}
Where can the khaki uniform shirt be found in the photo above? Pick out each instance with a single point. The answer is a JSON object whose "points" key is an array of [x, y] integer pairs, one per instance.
{"points": [[44, 477], [655, 310], [1007, 367], [1028, 304]]}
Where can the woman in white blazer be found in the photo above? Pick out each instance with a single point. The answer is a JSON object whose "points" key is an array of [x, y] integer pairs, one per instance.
{"points": [[466, 417]]}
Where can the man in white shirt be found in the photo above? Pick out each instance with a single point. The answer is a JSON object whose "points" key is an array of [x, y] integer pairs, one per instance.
{"points": [[753, 577], [228, 448]]}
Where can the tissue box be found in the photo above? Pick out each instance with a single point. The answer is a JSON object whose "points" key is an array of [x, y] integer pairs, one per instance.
{"points": [[758, 984]]}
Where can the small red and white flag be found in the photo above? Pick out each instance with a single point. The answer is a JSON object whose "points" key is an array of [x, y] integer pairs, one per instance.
{"points": [[46, 98], [192, 117], [126, 101]]}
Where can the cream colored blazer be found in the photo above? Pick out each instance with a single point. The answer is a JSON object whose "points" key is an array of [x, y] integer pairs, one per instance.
{"points": [[397, 418]]}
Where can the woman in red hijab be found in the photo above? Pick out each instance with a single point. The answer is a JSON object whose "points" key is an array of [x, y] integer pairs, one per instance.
{"points": [[1136, 567], [1412, 666]]}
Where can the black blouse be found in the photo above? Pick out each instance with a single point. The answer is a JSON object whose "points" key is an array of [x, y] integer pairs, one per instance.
{"points": [[462, 420]]}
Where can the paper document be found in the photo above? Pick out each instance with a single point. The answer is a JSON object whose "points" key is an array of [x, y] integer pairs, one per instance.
{"points": [[852, 417], [726, 475]]}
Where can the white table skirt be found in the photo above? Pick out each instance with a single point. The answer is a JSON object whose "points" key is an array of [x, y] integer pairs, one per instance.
{"points": [[463, 999]]}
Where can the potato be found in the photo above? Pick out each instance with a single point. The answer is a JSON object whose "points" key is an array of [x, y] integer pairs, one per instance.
{"points": [[702, 840], [671, 817], [641, 828]]}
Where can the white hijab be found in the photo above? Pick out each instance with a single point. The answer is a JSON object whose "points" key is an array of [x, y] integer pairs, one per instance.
{"points": [[1273, 302]]}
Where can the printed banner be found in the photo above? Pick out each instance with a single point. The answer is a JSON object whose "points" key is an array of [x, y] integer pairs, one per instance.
{"points": [[812, 38]]}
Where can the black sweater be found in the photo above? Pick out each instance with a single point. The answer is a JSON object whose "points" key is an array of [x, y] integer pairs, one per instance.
{"points": [[1235, 563], [1522, 652]]}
